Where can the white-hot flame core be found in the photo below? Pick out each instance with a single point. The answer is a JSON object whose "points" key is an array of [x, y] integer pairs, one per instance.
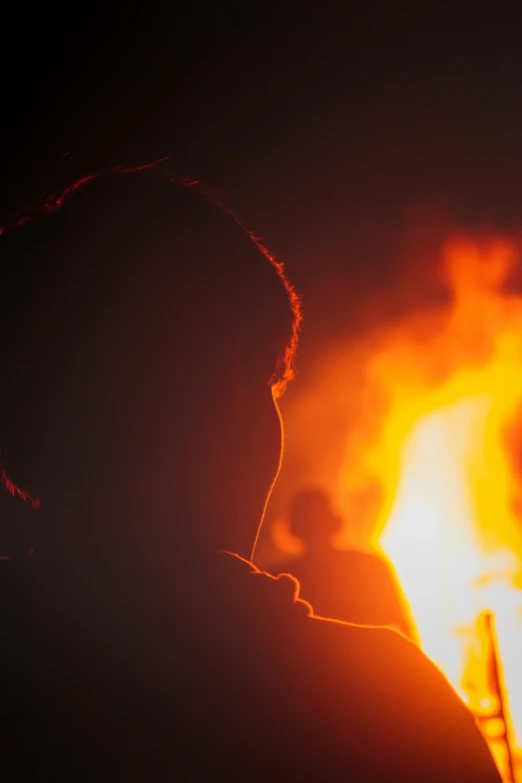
{"points": [[449, 519]]}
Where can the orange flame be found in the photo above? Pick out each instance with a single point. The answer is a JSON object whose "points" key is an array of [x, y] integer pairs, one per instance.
{"points": [[443, 457]]}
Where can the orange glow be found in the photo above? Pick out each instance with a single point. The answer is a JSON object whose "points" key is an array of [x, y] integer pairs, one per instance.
{"points": [[442, 449], [283, 539]]}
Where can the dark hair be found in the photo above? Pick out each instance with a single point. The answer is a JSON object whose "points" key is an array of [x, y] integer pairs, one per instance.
{"points": [[156, 210], [54, 202]]}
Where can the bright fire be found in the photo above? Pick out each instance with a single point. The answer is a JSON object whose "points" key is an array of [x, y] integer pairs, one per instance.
{"points": [[445, 457]]}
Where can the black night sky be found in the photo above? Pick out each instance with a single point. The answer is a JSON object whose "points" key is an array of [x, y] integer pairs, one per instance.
{"points": [[324, 128]]}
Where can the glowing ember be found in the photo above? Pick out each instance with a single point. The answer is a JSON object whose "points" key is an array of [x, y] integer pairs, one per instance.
{"points": [[443, 457]]}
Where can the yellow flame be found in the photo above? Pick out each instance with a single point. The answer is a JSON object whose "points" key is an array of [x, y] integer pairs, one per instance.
{"points": [[449, 521]]}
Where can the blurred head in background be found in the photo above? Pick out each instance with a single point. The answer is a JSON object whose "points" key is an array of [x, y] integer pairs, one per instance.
{"points": [[313, 519]]}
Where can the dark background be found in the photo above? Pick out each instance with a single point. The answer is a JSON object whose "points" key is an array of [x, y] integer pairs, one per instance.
{"points": [[327, 128], [322, 126]]}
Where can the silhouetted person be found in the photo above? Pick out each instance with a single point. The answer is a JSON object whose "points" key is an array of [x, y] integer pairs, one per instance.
{"points": [[349, 584], [144, 337]]}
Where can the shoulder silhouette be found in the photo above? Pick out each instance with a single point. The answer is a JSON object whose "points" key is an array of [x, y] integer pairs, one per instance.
{"points": [[345, 584], [147, 337]]}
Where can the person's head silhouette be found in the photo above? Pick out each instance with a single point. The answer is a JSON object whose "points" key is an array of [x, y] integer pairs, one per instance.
{"points": [[145, 336], [313, 519]]}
